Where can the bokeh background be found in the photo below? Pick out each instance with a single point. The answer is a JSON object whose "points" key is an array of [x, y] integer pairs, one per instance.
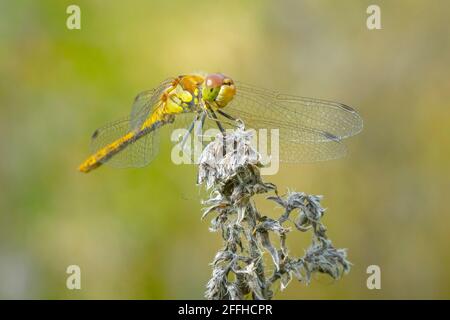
{"points": [[137, 233]]}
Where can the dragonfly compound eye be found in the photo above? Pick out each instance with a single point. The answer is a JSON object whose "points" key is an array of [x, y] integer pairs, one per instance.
{"points": [[212, 85], [214, 80]]}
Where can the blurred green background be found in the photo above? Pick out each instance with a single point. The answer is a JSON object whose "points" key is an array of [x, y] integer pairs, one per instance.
{"points": [[137, 233]]}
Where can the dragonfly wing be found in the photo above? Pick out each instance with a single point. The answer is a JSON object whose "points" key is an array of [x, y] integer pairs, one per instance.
{"points": [[137, 154], [335, 118], [309, 129], [145, 102], [305, 153], [296, 144]]}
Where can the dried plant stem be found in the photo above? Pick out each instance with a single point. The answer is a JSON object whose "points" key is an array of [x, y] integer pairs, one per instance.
{"points": [[239, 269]]}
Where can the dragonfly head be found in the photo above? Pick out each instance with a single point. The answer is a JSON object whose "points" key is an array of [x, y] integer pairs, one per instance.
{"points": [[218, 88]]}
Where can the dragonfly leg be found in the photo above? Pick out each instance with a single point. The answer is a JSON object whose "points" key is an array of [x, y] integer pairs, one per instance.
{"points": [[219, 125], [191, 127], [226, 115], [199, 129], [212, 115], [237, 122]]}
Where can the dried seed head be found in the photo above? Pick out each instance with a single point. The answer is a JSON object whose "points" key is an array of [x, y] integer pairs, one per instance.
{"points": [[222, 158], [230, 167]]}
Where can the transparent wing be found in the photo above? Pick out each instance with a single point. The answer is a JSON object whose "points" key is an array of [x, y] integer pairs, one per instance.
{"points": [[297, 144], [309, 129], [137, 154], [145, 102], [291, 111]]}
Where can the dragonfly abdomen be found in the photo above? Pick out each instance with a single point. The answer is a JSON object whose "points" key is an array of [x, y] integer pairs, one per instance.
{"points": [[110, 150]]}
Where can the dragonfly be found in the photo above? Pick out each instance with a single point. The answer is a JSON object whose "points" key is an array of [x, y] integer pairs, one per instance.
{"points": [[309, 129]]}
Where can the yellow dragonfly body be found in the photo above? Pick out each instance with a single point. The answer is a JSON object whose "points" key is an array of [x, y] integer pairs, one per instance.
{"points": [[309, 129]]}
